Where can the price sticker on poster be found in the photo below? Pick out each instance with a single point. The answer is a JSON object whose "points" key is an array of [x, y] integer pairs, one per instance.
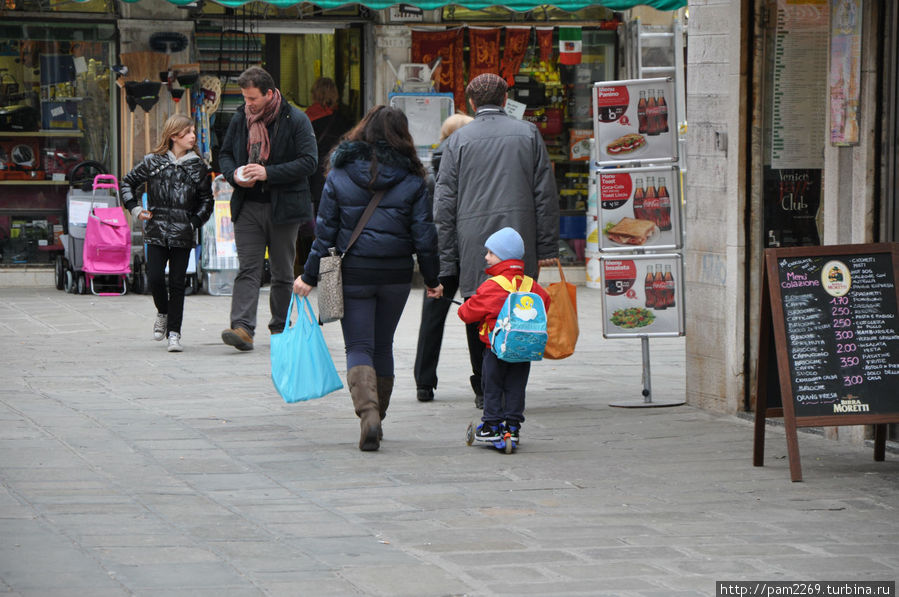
{"points": [[639, 208], [643, 296], [634, 121]]}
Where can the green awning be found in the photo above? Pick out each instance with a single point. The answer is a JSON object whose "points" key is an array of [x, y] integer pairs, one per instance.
{"points": [[516, 5]]}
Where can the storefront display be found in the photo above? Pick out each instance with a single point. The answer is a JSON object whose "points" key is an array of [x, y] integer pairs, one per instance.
{"points": [[55, 112]]}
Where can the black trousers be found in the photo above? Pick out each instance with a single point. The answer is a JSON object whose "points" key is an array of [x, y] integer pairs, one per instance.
{"points": [[168, 300], [430, 338], [504, 388]]}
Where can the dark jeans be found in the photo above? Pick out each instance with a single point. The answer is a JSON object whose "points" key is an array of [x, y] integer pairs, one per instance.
{"points": [[370, 316], [430, 334], [253, 232], [168, 300], [504, 388], [430, 339]]}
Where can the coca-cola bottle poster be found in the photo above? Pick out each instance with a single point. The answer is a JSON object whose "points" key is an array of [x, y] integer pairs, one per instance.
{"points": [[642, 295], [639, 208], [634, 121]]}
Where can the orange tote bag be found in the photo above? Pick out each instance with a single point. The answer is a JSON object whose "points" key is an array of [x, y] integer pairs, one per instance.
{"points": [[561, 318]]}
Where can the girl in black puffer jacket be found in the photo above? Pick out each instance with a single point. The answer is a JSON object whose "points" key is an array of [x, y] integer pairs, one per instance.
{"points": [[377, 155], [179, 200]]}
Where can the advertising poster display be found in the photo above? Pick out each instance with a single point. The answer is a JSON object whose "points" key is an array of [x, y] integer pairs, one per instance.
{"points": [[639, 208], [635, 121], [643, 295]]}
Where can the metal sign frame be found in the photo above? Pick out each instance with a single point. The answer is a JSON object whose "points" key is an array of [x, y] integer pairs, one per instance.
{"points": [[632, 130], [631, 293], [618, 201]]}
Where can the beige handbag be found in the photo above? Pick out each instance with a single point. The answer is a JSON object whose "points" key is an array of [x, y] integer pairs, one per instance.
{"points": [[330, 276]]}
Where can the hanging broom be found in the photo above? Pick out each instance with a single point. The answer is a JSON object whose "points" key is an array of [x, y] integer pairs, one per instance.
{"points": [[187, 75]]}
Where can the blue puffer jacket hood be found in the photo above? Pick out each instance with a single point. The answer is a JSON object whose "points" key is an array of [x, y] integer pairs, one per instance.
{"points": [[358, 157]]}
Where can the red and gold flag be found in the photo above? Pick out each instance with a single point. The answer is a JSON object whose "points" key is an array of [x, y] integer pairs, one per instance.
{"points": [[545, 43], [484, 55], [516, 45], [428, 45]]}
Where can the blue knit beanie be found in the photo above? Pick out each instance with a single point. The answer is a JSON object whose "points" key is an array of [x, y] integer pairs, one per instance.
{"points": [[506, 244]]}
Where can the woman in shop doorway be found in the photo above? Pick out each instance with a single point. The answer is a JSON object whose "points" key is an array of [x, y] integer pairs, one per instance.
{"points": [[376, 156], [179, 200], [329, 126]]}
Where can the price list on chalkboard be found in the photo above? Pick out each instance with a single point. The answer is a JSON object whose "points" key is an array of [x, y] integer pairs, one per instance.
{"points": [[842, 333]]}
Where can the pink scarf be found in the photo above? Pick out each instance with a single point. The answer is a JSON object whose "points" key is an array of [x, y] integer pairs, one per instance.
{"points": [[259, 146]]}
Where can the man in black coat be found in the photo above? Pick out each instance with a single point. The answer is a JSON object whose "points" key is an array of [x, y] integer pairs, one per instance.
{"points": [[268, 154]]}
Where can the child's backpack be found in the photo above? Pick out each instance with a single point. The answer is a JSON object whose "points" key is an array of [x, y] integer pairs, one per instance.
{"points": [[520, 331]]}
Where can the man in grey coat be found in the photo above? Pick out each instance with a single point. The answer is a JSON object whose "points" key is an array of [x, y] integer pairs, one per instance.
{"points": [[495, 172]]}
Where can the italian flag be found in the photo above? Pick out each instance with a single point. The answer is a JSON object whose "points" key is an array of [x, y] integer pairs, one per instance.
{"points": [[570, 45]]}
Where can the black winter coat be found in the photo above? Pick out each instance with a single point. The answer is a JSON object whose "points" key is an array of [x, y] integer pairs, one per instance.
{"points": [[402, 224], [179, 194], [293, 158]]}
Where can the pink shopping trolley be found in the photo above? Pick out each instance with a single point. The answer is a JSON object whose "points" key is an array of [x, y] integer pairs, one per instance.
{"points": [[107, 244]]}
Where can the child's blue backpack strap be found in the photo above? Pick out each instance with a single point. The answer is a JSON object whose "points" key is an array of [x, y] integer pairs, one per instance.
{"points": [[520, 331]]}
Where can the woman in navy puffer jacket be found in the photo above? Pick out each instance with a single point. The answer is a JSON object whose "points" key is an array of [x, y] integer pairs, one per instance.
{"points": [[376, 155]]}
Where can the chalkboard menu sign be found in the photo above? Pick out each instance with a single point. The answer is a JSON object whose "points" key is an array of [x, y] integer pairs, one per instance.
{"points": [[834, 315]]}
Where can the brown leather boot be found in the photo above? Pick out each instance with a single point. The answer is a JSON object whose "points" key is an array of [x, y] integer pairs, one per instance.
{"points": [[363, 384], [385, 389]]}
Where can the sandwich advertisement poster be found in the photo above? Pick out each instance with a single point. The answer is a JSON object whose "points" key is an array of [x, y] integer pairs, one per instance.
{"points": [[639, 208], [642, 295], [634, 121]]}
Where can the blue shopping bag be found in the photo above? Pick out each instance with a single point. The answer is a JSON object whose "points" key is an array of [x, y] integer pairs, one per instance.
{"points": [[302, 368]]}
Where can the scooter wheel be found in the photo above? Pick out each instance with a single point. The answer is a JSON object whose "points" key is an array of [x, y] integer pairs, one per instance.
{"points": [[469, 434], [508, 439]]}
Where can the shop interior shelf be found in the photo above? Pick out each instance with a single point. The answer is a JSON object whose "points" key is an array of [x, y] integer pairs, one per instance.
{"points": [[42, 133], [34, 182]]}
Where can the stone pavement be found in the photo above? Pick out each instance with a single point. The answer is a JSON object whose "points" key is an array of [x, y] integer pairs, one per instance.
{"points": [[126, 470]]}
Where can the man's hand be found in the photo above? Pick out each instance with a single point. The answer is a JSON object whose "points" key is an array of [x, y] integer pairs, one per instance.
{"points": [[435, 293], [300, 287], [546, 262], [255, 172]]}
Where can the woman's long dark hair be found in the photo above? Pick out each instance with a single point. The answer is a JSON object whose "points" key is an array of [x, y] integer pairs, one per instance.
{"points": [[388, 125]]}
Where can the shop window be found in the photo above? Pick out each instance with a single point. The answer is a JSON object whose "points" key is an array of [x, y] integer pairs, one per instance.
{"points": [[55, 102]]}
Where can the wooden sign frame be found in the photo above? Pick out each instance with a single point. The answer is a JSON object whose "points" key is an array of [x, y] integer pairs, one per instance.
{"points": [[773, 336]]}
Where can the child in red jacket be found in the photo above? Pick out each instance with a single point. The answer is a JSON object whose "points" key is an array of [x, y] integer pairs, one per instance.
{"points": [[504, 383]]}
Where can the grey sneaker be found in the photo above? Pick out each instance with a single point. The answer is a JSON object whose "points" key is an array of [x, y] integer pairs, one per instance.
{"points": [[162, 320], [175, 342]]}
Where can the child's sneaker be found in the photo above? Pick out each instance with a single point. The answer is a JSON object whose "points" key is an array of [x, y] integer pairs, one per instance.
{"points": [[514, 433], [159, 326], [489, 432]]}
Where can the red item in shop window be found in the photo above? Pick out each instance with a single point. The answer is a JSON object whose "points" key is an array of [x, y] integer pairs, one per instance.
{"points": [[548, 120]]}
